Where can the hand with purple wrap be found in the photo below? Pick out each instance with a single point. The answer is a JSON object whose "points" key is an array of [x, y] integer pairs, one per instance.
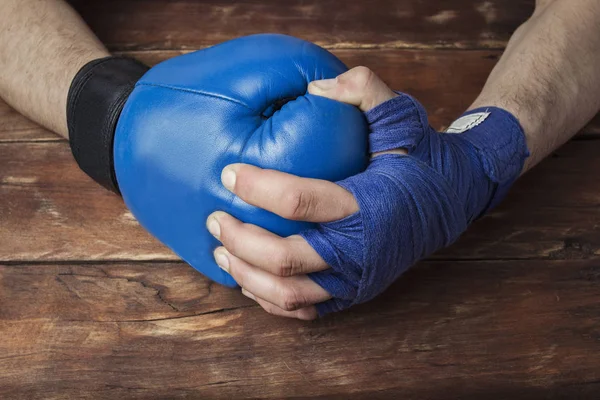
{"points": [[419, 193]]}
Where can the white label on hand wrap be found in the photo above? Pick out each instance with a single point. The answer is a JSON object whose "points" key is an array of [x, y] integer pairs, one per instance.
{"points": [[467, 122]]}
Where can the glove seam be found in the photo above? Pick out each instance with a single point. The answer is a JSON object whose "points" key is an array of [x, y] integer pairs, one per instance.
{"points": [[196, 92]]}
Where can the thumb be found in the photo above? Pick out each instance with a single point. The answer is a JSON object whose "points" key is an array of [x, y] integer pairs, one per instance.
{"points": [[358, 86]]}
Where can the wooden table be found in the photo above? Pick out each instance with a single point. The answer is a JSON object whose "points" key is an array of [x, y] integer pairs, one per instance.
{"points": [[91, 306]]}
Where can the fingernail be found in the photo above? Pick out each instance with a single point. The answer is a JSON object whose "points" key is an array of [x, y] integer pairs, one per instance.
{"points": [[213, 227], [222, 260], [228, 178], [248, 294], [324, 84]]}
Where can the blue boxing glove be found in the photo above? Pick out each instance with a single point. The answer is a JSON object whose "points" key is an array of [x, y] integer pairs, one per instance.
{"points": [[412, 205], [244, 101]]}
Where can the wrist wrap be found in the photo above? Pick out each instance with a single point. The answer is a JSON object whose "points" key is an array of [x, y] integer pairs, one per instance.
{"points": [[94, 103]]}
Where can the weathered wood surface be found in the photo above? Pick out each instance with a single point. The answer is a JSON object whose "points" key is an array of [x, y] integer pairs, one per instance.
{"points": [[185, 24], [446, 82], [447, 330], [51, 211]]}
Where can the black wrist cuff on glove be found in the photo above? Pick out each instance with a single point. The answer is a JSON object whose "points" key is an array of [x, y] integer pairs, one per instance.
{"points": [[96, 98]]}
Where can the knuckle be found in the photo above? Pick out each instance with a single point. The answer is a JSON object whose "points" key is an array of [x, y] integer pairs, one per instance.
{"points": [[228, 238], [307, 315], [269, 309], [299, 205], [367, 84], [291, 299], [287, 264], [238, 276], [246, 186], [285, 271], [284, 268], [230, 234], [363, 75]]}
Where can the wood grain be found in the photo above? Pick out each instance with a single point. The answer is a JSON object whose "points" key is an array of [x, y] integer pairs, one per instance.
{"points": [[184, 24], [51, 211], [447, 330], [446, 82]]}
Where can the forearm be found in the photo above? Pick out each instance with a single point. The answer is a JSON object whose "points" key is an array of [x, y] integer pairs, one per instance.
{"points": [[549, 75], [43, 44]]}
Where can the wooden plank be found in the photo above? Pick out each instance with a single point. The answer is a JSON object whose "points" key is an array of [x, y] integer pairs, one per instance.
{"points": [[446, 82], [495, 330], [184, 24], [51, 211]]}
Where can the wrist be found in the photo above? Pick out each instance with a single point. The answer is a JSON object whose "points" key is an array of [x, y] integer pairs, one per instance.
{"points": [[532, 119], [498, 147]]}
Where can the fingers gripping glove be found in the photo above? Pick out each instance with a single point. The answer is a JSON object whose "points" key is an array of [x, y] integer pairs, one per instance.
{"points": [[412, 205], [240, 101]]}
